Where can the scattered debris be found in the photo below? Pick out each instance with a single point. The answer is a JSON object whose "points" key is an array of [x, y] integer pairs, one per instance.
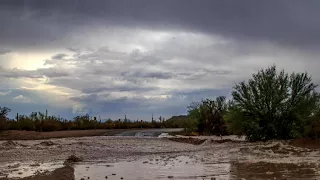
{"points": [[73, 159], [47, 143], [14, 166], [189, 140]]}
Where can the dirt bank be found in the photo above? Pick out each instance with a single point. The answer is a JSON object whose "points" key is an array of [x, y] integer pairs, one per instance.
{"points": [[306, 143], [33, 135]]}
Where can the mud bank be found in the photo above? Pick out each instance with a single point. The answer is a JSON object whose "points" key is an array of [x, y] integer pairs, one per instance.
{"points": [[33, 135]]}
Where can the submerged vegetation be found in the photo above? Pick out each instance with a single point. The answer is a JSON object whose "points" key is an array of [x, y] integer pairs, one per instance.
{"points": [[270, 105]]}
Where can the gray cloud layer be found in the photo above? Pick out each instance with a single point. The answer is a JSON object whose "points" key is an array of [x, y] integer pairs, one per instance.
{"points": [[146, 56], [292, 22]]}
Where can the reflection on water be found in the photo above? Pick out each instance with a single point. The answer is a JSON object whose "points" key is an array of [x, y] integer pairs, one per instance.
{"points": [[180, 167]]}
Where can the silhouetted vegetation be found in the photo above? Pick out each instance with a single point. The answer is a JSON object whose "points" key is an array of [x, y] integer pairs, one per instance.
{"points": [[208, 116], [38, 121]]}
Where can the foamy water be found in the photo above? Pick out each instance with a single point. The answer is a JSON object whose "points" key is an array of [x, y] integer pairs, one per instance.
{"points": [[20, 170]]}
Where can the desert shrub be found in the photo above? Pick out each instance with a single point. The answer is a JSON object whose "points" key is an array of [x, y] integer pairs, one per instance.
{"points": [[272, 105], [208, 115]]}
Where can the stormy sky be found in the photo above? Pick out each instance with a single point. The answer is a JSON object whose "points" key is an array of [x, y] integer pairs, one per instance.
{"points": [[117, 57]]}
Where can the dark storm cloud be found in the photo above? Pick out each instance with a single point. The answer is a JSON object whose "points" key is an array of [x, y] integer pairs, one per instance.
{"points": [[293, 22], [105, 104], [59, 56], [118, 89], [145, 74]]}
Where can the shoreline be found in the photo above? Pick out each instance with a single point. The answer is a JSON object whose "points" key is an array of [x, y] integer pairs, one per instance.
{"points": [[34, 135]]}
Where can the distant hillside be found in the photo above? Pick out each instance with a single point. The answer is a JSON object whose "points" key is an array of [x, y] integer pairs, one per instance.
{"points": [[181, 121]]}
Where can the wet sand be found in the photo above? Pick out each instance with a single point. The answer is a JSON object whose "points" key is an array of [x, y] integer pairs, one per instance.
{"points": [[157, 158]]}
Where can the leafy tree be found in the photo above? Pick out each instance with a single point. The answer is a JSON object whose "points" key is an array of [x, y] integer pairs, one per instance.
{"points": [[209, 115], [3, 117], [273, 105]]}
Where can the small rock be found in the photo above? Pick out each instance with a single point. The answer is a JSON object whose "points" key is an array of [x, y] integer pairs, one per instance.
{"points": [[213, 178], [82, 179], [121, 178], [106, 177], [170, 177], [113, 174]]}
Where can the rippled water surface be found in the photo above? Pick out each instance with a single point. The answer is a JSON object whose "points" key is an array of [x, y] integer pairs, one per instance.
{"points": [[180, 167]]}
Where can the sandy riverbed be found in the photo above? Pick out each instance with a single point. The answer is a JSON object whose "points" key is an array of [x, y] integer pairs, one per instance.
{"points": [[156, 158]]}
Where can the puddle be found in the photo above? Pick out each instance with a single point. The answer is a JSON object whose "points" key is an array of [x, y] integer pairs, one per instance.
{"points": [[181, 167], [20, 170]]}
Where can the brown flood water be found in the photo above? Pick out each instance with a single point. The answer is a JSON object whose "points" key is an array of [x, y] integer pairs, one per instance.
{"points": [[159, 158]]}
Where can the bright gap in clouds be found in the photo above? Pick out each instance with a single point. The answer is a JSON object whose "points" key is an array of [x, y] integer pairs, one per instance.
{"points": [[28, 60]]}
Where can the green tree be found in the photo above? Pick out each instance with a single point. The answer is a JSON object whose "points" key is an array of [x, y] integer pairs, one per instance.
{"points": [[273, 105], [3, 117], [209, 115]]}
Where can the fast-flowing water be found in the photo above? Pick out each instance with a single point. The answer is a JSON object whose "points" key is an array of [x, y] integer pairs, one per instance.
{"points": [[139, 157]]}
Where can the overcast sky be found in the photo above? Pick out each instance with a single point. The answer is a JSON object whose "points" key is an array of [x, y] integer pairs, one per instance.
{"points": [[112, 58]]}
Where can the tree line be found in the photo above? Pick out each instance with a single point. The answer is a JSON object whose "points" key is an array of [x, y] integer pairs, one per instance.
{"points": [[39, 121], [270, 105]]}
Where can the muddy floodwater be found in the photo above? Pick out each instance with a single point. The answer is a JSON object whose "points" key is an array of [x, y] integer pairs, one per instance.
{"points": [[141, 157]]}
